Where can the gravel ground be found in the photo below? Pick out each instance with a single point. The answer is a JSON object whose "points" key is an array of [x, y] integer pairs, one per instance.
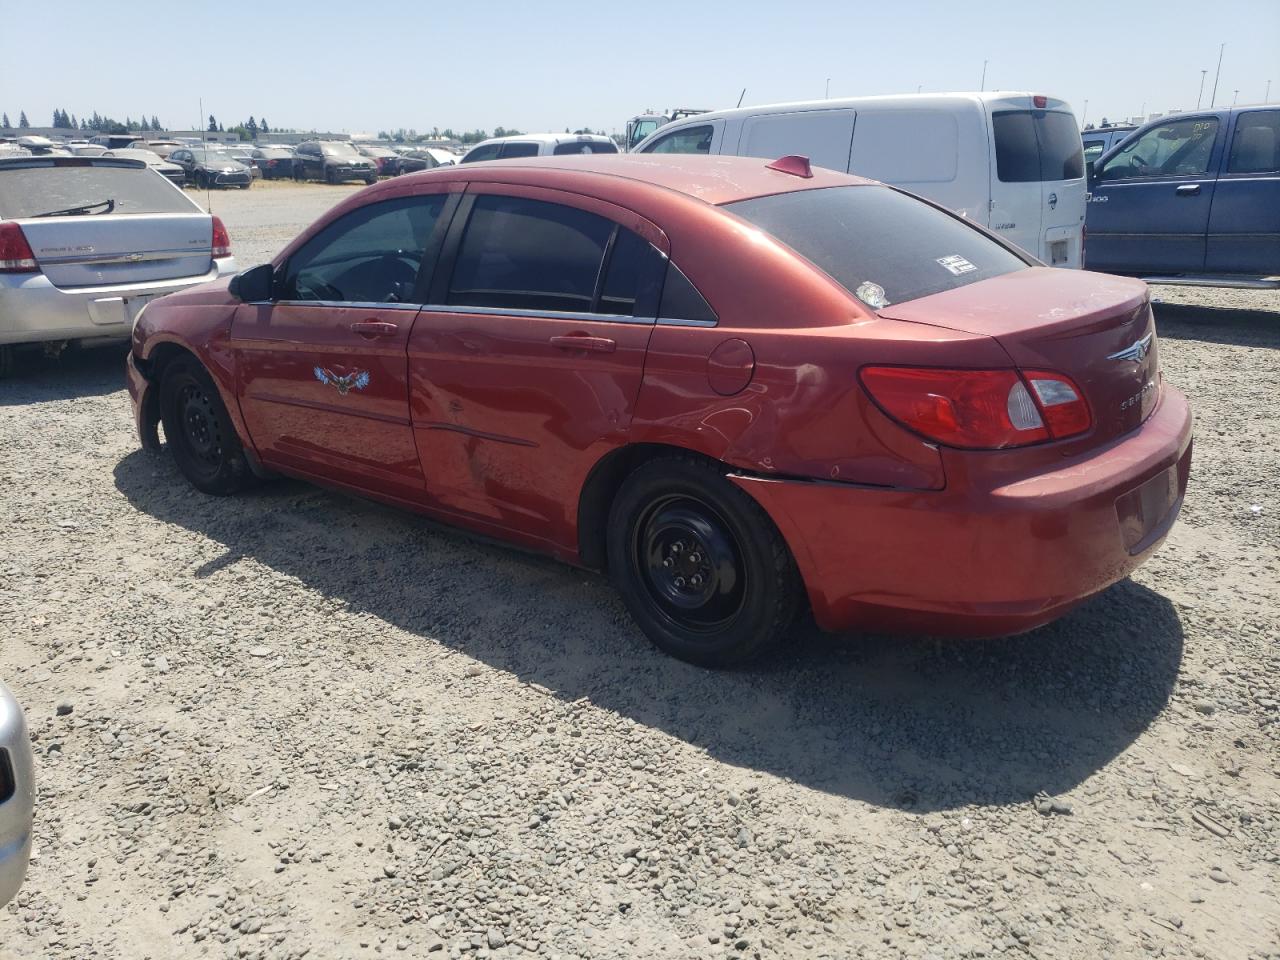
{"points": [[295, 723]]}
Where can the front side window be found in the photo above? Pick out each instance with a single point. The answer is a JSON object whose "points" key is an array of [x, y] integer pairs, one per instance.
{"points": [[372, 255], [1256, 146], [529, 254], [1037, 145], [688, 140], [1179, 148], [881, 245], [510, 150], [487, 152], [1093, 150]]}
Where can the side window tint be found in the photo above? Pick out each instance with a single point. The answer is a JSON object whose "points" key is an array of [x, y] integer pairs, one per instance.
{"points": [[371, 255], [519, 150], [1256, 146], [688, 140], [681, 299], [529, 254], [633, 279], [1179, 148], [584, 146], [488, 152]]}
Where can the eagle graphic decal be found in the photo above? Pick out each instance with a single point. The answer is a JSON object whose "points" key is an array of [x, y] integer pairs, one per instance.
{"points": [[345, 384]]}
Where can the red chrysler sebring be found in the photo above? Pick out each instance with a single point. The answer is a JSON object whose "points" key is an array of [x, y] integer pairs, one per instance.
{"points": [[737, 386]]}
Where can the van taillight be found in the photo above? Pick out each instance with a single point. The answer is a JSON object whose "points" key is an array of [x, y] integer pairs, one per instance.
{"points": [[1040, 101], [15, 252], [979, 409], [221, 240]]}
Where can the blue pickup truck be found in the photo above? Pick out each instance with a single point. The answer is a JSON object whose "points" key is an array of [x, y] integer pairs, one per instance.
{"points": [[1193, 198]]}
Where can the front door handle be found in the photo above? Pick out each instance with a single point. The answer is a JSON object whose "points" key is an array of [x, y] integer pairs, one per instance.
{"points": [[580, 341], [1188, 190], [374, 328]]}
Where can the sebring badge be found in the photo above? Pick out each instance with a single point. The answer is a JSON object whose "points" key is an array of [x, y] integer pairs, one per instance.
{"points": [[358, 380], [1136, 351]]}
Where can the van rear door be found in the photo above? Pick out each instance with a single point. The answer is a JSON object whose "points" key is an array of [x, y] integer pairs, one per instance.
{"points": [[1244, 224], [1038, 186]]}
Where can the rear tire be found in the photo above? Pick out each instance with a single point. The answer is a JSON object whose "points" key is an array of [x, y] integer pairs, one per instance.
{"points": [[699, 564], [329, 178], [199, 431]]}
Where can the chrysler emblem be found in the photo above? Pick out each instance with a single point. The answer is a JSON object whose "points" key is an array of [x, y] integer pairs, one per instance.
{"points": [[1136, 351]]}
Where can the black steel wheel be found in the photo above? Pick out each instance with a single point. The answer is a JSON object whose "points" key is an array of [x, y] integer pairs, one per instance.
{"points": [[199, 432], [699, 564]]}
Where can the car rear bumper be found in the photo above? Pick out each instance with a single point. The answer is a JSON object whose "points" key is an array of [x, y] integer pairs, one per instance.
{"points": [[33, 310], [17, 796], [973, 561]]}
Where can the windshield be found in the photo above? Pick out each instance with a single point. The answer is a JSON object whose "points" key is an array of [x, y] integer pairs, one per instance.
{"points": [[879, 244], [339, 150], [30, 191]]}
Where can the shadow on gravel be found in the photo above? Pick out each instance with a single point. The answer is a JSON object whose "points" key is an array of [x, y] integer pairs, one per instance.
{"points": [[94, 372], [1246, 328], [912, 723]]}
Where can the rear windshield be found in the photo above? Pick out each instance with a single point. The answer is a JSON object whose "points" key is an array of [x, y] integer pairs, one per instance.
{"points": [[881, 245], [31, 191], [1036, 145], [585, 146]]}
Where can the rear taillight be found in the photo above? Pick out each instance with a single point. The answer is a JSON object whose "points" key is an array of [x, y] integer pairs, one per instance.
{"points": [[221, 240], [1040, 101], [15, 252], [979, 409]]}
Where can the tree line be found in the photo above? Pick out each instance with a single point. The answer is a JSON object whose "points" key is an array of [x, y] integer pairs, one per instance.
{"points": [[62, 120]]}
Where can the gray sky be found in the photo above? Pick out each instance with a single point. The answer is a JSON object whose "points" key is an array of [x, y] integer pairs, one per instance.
{"points": [[557, 63]]}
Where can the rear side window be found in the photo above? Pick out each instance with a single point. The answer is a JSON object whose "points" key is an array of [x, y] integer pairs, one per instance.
{"points": [[688, 140], [510, 150], [372, 255], [1255, 148], [881, 245], [31, 191], [487, 152], [633, 277], [529, 254], [821, 135], [1037, 145], [888, 145], [585, 146]]}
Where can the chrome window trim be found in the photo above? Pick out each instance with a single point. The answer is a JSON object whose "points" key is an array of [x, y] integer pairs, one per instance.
{"points": [[677, 322], [348, 304], [490, 311]]}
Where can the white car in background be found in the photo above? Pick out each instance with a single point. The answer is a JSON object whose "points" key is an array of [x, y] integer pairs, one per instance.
{"points": [[1010, 162], [86, 242], [17, 795], [538, 145]]}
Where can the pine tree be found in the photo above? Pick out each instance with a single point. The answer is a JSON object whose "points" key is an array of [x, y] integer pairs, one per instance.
{"points": [[213, 124], [155, 123], [4, 121], [220, 130], [252, 129], [73, 124], [263, 128], [22, 119]]}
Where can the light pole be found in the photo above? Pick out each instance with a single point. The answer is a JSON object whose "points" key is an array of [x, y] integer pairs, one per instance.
{"points": [[984, 76], [1084, 115], [828, 88], [1200, 95], [1266, 97], [1213, 98]]}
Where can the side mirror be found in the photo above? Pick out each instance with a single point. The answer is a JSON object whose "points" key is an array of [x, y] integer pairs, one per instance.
{"points": [[1091, 173], [253, 285]]}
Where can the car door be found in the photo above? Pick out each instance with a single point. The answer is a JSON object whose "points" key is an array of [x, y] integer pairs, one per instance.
{"points": [[1150, 198], [1244, 225], [322, 369], [526, 364]]}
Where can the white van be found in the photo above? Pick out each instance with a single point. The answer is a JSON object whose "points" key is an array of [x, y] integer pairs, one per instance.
{"points": [[1012, 162]]}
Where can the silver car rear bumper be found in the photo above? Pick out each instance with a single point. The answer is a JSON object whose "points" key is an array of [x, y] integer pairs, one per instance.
{"points": [[33, 310], [17, 796]]}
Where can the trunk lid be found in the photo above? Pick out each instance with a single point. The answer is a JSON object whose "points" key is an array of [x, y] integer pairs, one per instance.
{"points": [[1096, 329], [99, 251]]}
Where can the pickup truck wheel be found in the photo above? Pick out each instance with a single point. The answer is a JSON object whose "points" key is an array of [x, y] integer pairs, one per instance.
{"points": [[699, 564], [199, 432], [330, 177]]}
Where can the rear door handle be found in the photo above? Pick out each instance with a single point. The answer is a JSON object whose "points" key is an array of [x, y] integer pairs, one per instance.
{"points": [[580, 341], [1188, 190], [374, 328]]}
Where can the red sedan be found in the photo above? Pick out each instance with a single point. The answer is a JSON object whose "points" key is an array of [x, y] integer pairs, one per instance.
{"points": [[736, 386]]}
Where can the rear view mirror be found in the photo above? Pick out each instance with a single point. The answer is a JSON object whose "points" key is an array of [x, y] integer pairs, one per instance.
{"points": [[253, 285]]}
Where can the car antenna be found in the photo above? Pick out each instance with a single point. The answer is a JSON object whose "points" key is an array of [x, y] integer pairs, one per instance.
{"points": [[208, 187], [741, 95]]}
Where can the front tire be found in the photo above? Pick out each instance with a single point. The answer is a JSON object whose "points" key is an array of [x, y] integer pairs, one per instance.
{"points": [[699, 564], [199, 432]]}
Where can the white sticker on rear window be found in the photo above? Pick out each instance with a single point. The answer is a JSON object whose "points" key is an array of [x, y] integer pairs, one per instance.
{"points": [[957, 264]]}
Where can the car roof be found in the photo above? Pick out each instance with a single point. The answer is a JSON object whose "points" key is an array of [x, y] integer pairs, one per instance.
{"points": [[714, 180], [546, 138]]}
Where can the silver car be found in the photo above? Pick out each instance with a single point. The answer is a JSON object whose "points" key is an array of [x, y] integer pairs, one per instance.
{"points": [[85, 242], [17, 796]]}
